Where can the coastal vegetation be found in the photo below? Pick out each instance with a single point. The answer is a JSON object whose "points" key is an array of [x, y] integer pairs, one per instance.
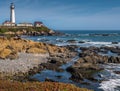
{"points": [[4, 29], [31, 31], [6, 85]]}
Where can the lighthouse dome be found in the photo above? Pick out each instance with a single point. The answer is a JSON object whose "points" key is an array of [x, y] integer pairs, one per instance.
{"points": [[12, 6]]}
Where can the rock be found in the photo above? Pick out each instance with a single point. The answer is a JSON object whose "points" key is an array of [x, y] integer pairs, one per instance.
{"points": [[59, 77], [72, 47], [53, 61], [36, 50], [83, 71], [51, 32], [51, 66], [93, 79], [55, 49], [115, 42], [76, 75], [115, 50], [71, 41], [113, 59], [49, 80], [81, 42], [117, 72]]}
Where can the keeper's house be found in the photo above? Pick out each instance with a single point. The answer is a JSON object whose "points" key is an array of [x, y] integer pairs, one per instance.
{"points": [[38, 24]]}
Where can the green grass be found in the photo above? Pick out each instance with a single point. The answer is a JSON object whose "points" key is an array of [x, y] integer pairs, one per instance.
{"points": [[4, 29]]}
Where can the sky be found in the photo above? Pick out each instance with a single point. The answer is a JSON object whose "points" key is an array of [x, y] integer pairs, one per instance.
{"points": [[66, 14]]}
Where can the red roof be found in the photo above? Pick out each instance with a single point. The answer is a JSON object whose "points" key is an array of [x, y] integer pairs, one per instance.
{"points": [[37, 22]]}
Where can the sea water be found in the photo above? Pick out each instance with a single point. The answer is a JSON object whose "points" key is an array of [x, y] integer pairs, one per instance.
{"points": [[88, 38]]}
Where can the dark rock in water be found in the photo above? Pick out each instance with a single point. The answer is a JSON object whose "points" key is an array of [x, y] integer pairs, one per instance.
{"points": [[84, 83], [112, 49], [81, 42], [72, 47], [105, 34], [51, 66], [117, 72], [93, 79], [57, 33], [33, 71], [100, 75], [59, 77], [113, 59], [71, 41], [99, 34], [107, 48], [76, 75], [115, 50], [104, 51], [115, 42], [83, 71], [49, 80]]}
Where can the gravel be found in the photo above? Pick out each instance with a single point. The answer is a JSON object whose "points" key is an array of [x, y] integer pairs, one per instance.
{"points": [[23, 64]]}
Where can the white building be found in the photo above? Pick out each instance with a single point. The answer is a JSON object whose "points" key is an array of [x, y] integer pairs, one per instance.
{"points": [[25, 24], [8, 24], [12, 13]]}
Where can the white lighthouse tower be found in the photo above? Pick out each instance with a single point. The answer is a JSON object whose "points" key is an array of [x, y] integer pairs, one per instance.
{"points": [[12, 13]]}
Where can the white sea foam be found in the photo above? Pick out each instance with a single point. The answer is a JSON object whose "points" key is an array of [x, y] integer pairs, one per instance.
{"points": [[88, 44], [113, 80], [110, 85]]}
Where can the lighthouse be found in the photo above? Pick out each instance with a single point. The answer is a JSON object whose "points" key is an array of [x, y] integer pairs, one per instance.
{"points": [[12, 13]]}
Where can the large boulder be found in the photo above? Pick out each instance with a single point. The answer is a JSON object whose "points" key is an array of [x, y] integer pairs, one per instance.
{"points": [[83, 71]]}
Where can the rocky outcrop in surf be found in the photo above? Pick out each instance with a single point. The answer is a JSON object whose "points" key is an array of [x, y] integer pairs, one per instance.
{"points": [[90, 60]]}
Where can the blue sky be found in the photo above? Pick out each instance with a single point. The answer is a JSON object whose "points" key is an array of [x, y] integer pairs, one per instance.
{"points": [[66, 14]]}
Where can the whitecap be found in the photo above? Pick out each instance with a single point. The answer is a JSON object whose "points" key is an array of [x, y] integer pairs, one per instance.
{"points": [[110, 85]]}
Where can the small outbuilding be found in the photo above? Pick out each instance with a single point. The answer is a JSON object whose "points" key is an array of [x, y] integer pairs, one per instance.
{"points": [[38, 24]]}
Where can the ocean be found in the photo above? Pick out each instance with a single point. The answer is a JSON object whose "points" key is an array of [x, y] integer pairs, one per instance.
{"points": [[85, 39], [82, 38]]}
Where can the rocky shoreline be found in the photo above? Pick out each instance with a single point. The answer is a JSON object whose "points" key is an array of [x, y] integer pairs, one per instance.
{"points": [[20, 58], [90, 61]]}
